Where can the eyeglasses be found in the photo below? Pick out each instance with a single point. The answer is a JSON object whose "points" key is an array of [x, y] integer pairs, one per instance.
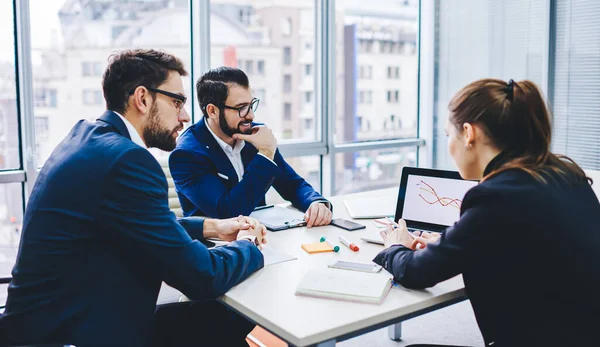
{"points": [[244, 110], [178, 99]]}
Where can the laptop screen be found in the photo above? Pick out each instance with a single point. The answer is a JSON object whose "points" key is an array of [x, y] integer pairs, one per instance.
{"points": [[431, 199]]}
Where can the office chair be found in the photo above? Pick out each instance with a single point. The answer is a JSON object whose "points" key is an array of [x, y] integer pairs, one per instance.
{"points": [[174, 204], [6, 280]]}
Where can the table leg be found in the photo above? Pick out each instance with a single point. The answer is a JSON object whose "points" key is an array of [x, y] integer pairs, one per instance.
{"points": [[395, 331]]}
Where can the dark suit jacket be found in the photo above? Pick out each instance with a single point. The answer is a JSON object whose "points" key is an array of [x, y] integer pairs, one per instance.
{"points": [[98, 240], [197, 162], [529, 254]]}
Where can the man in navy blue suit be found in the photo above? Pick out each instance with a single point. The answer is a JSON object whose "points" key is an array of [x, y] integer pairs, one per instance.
{"points": [[98, 238], [224, 164]]}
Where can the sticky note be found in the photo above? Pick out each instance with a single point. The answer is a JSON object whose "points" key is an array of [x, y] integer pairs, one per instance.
{"points": [[318, 247]]}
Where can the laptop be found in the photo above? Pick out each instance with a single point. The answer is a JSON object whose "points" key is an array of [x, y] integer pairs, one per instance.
{"points": [[430, 199], [370, 208]]}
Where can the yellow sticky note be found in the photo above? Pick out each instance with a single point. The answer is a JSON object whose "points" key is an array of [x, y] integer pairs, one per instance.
{"points": [[317, 247]]}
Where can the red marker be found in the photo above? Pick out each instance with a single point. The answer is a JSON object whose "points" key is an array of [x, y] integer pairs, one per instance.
{"points": [[348, 244]]}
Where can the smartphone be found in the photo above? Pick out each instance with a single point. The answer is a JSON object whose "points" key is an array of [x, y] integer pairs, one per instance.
{"points": [[346, 224], [354, 266]]}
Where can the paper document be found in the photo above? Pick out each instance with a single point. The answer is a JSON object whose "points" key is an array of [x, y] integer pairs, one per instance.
{"points": [[345, 285], [273, 257]]}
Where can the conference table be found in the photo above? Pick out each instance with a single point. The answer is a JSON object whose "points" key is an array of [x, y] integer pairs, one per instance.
{"points": [[268, 296]]}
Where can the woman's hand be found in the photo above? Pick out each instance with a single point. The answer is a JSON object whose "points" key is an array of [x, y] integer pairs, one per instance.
{"points": [[398, 234]]}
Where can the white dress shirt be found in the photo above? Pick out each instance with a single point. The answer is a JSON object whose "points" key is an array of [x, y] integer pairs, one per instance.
{"points": [[234, 153], [133, 134]]}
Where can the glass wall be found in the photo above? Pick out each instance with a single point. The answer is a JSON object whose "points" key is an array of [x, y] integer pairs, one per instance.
{"points": [[71, 42], [9, 117], [372, 169], [273, 42], [377, 70]]}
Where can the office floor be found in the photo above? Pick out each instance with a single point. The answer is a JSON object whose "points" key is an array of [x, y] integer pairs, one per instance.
{"points": [[453, 325]]}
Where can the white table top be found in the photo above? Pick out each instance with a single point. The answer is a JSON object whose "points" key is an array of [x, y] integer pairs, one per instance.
{"points": [[267, 297]]}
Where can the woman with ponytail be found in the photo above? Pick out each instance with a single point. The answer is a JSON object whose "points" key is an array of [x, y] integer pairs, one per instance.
{"points": [[528, 239]]}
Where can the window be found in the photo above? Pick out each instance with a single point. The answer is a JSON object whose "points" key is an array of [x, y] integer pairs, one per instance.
{"points": [[514, 32], [308, 167], [73, 65], [287, 84], [366, 59], [91, 69], [92, 97], [287, 111], [393, 72], [260, 67], [287, 134], [287, 56], [576, 97], [260, 93], [11, 219], [365, 97], [371, 169], [45, 97], [286, 26], [308, 124], [278, 36], [308, 69], [308, 97], [42, 127], [366, 72], [393, 96], [249, 66], [9, 117]]}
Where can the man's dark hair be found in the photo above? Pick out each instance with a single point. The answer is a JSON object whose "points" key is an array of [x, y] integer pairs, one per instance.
{"points": [[130, 69], [211, 88]]}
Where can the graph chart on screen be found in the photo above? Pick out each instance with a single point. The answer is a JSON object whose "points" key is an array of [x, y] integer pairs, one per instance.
{"points": [[434, 198]]}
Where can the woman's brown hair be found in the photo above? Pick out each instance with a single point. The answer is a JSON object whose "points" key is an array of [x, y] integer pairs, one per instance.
{"points": [[515, 118]]}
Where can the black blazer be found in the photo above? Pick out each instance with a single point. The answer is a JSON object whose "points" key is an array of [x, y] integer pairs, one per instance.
{"points": [[99, 239], [529, 254]]}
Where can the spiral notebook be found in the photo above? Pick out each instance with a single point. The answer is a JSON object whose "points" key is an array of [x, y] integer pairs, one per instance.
{"points": [[346, 285]]}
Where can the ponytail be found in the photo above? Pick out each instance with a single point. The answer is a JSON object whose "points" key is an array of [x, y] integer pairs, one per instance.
{"points": [[515, 118]]}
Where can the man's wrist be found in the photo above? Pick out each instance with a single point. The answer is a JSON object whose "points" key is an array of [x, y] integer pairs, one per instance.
{"points": [[267, 153], [209, 230], [250, 238]]}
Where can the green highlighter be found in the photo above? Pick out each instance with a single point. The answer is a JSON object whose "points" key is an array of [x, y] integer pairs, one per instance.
{"points": [[335, 248]]}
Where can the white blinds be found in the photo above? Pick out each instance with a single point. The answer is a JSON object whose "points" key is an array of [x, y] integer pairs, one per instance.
{"points": [[576, 100], [485, 38]]}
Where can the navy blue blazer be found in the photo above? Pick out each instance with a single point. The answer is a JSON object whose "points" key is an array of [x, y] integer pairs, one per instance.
{"points": [[529, 256], [98, 239], [207, 184]]}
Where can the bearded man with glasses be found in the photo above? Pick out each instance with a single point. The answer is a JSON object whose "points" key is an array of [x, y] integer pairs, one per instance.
{"points": [[225, 163]]}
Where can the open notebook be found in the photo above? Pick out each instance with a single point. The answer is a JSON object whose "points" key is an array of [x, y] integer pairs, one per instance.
{"points": [[345, 285]]}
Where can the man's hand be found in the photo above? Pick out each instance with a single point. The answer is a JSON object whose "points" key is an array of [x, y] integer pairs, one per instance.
{"points": [[257, 230], [317, 214], [227, 229], [262, 138]]}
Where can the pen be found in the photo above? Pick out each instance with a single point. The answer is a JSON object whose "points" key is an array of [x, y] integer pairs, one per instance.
{"points": [[348, 244], [335, 247], [263, 207]]}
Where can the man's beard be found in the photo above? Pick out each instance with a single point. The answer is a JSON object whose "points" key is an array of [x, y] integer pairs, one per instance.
{"points": [[157, 136], [229, 131]]}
